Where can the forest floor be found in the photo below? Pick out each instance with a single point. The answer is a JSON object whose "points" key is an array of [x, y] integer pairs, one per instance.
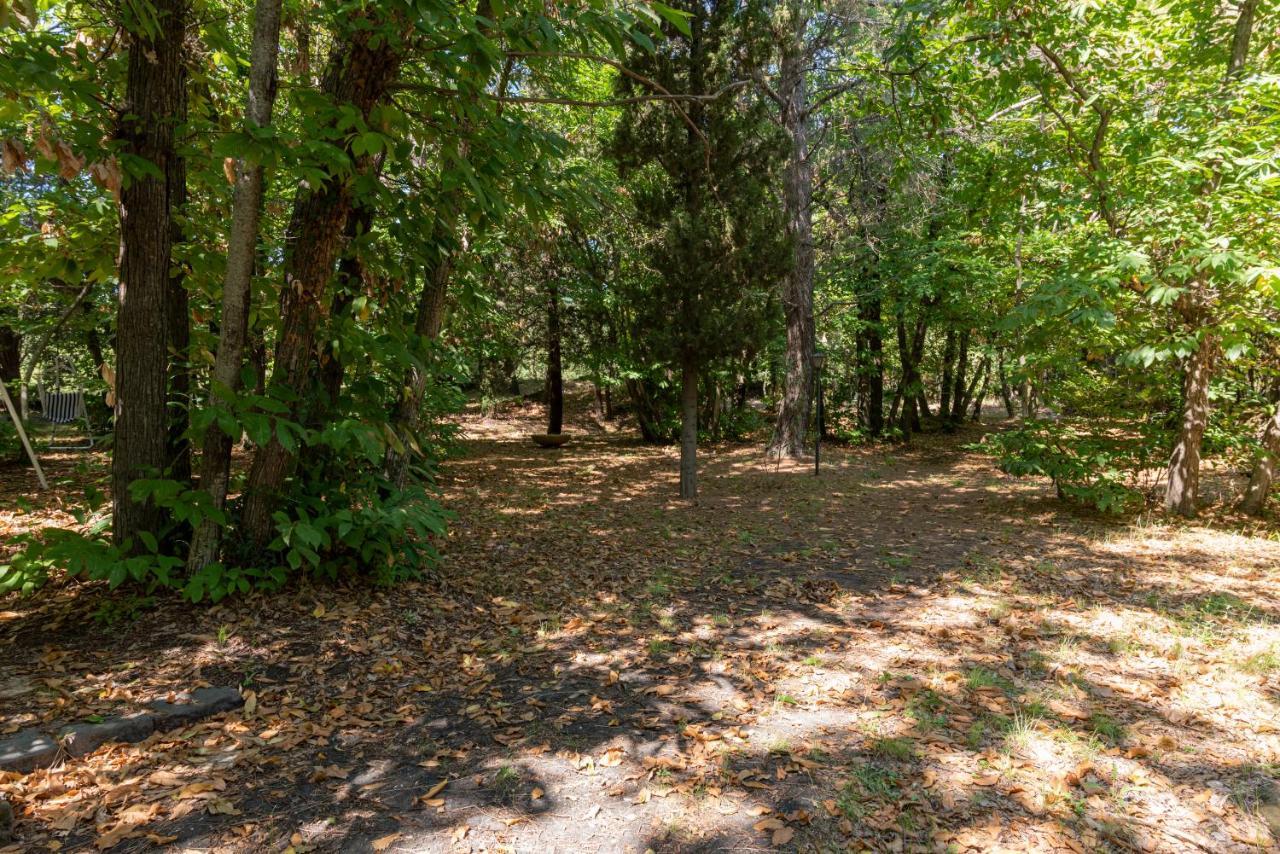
{"points": [[911, 652]]}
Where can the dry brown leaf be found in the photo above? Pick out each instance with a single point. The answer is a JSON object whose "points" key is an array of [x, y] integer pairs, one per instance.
{"points": [[382, 843]]}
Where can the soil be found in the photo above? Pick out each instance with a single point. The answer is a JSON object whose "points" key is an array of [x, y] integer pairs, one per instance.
{"points": [[912, 652]]}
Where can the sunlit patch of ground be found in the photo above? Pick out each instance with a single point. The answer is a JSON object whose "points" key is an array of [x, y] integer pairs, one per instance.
{"points": [[911, 652]]}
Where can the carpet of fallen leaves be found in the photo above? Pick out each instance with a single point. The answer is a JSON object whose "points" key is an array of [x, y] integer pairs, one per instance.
{"points": [[913, 652]]}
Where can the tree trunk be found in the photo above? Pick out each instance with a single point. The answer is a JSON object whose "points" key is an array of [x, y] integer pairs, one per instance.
{"points": [[10, 355], [361, 67], [648, 416], [178, 313], [1183, 481], [154, 99], [555, 376], [948, 366], [242, 248], [427, 322], [1264, 471], [871, 363], [962, 368], [792, 425], [1006, 393], [688, 430], [977, 390], [910, 418]]}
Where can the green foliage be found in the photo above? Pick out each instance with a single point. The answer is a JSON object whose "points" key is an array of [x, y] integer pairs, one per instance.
{"points": [[1099, 470]]}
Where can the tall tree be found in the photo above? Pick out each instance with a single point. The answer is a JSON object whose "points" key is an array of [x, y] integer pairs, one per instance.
{"points": [[155, 102], [700, 176], [242, 248]]}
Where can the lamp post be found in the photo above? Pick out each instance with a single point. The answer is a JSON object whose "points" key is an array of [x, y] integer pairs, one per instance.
{"points": [[819, 362]]}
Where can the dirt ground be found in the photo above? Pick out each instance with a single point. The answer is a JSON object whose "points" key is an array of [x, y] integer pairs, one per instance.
{"points": [[912, 652]]}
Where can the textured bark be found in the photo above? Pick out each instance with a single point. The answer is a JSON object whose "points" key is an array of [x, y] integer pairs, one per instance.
{"points": [[555, 374], [361, 67], [792, 425], [154, 99], [1264, 471], [1183, 480], [689, 430], [242, 242]]}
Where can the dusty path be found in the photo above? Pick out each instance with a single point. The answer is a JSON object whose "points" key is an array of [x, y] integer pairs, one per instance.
{"points": [[911, 652]]}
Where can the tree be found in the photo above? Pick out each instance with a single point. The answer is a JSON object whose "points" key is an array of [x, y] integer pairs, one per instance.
{"points": [[700, 176], [155, 102]]}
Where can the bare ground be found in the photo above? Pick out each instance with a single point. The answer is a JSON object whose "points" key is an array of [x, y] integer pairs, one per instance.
{"points": [[911, 652]]}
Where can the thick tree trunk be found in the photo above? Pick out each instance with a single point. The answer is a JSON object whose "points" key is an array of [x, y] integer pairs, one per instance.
{"points": [[909, 421], [154, 99], [688, 430], [555, 376], [1264, 470], [648, 416], [792, 426], [1183, 483], [242, 248], [361, 67]]}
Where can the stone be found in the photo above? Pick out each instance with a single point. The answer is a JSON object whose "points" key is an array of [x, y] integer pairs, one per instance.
{"points": [[27, 750], [201, 703], [83, 739]]}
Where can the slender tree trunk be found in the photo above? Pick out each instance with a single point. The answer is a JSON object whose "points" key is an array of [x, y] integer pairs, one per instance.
{"points": [[874, 365], [427, 322], [948, 366], [977, 389], [962, 368], [10, 355], [360, 69], [154, 98], [555, 376], [242, 249], [688, 429], [910, 417], [1264, 471], [1182, 486], [1006, 393], [792, 425], [178, 313]]}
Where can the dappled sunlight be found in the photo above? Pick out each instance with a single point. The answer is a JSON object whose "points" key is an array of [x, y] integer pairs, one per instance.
{"points": [[907, 652]]}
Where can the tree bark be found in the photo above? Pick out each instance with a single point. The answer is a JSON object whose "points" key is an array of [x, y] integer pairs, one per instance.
{"points": [[242, 248], [154, 98], [10, 355], [555, 376], [1006, 393], [948, 367], [871, 362], [361, 67], [962, 368], [688, 429], [1264, 471], [178, 312], [1183, 480], [792, 425]]}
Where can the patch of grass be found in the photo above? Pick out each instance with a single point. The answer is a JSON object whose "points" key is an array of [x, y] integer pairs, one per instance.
{"points": [[1107, 728], [813, 661], [925, 708], [1261, 663], [980, 677], [787, 700], [721, 620], [659, 647], [870, 782], [659, 586], [505, 782], [900, 749]]}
